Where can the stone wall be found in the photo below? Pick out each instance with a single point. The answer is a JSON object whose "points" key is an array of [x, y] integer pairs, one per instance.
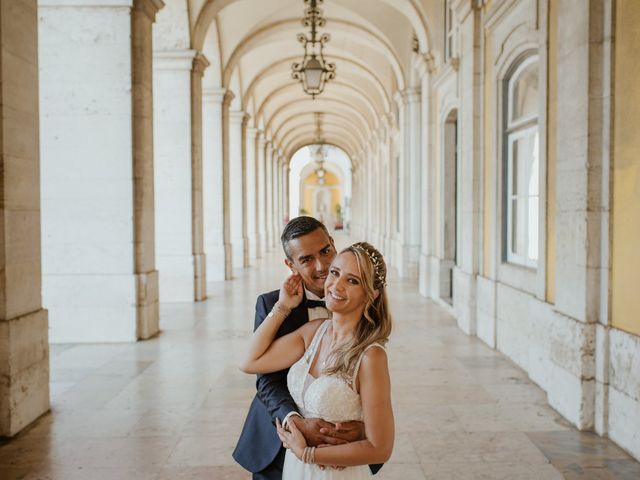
{"points": [[24, 347], [99, 277], [553, 320]]}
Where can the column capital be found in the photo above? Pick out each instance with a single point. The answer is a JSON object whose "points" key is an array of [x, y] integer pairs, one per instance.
{"points": [[389, 119], [227, 98], [200, 63], [480, 4], [237, 116], [214, 94], [424, 63], [408, 96], [173, 59], [252, 132], [149, 7], [245, 120]]}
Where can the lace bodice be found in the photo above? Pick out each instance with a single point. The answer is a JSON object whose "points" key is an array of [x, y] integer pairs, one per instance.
{"points": [[328, 397]]}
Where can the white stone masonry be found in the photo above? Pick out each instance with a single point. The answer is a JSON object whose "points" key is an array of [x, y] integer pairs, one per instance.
{"points": [[212, 186], [172, 171]]}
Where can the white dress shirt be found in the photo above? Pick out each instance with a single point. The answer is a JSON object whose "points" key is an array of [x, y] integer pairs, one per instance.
{"points": [[316, 313]]}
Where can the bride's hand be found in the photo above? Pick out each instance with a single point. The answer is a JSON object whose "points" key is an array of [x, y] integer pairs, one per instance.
{"points": [[291, 438], [291, 292]]}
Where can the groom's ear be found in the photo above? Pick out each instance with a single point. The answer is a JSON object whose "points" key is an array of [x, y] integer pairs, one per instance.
{"points": [[290, 265]]}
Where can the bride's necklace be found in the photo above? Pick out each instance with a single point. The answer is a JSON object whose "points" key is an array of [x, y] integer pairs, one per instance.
{"points": [[324, 362], [328, 355]]}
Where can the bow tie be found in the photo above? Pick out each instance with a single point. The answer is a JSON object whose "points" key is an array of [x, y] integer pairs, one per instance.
{"points": [[314, 303]]}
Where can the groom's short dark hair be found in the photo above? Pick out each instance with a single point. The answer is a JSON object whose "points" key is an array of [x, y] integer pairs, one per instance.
{"points": [[298, 227]]}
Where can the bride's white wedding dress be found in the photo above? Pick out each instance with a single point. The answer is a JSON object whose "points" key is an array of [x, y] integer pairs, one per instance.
{"points": [[327, 397]]}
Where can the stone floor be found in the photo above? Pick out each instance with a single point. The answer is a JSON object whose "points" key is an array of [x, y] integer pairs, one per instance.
{"points": [[172, 407]]}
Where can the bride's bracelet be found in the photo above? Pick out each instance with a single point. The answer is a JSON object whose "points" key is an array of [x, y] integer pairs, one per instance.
{"points": [[309, 455], [281, 309]]}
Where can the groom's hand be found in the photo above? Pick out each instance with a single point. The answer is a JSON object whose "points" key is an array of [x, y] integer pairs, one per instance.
{"points": [[315, 431], [346, 431]]}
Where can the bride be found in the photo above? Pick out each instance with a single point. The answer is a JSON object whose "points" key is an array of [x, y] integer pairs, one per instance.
{"points": [[339, 368]]}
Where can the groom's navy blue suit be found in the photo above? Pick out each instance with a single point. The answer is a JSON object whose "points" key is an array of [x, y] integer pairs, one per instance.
{"points": [[259, 446]]}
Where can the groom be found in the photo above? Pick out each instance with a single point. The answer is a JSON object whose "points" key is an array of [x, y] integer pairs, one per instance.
{"points": [[309, 250]]}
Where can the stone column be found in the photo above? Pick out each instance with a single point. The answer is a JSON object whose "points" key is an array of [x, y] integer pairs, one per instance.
{"points": [[388, 180], [364, 193], [268, 161], [285, 193], [362, 197], [388, 185], [424, 64], [251, 179], [382, 184], [226, 184], [277, 172], [367, 173], [24, 347], [386, 205], [275, 198], [466, 270], [147, 312], [410, 113], [373, 166], [236, 190], [277, 218], [261, 198], [200, 63], [277, 224], [214, 200], [245, 194], [371, 185], [172, 98], [377, 198], [99, 277], [354, 197], [394, 192], [582, 220], [356, 203]]}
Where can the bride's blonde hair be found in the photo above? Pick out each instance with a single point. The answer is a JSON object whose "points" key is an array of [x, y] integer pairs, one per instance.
{"points": [[375, 324]]}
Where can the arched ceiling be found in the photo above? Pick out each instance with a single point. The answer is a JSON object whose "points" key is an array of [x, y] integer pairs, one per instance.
{"points": [[254, 42]]}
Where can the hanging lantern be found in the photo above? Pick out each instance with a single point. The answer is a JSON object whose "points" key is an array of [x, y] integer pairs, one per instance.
{"points": [[313, 71]]}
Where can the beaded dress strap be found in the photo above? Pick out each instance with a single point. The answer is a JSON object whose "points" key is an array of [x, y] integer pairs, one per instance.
{"points": [[311, 351]]}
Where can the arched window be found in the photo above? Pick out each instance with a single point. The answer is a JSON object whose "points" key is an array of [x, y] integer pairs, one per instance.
{"points": [[521, 164]]}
